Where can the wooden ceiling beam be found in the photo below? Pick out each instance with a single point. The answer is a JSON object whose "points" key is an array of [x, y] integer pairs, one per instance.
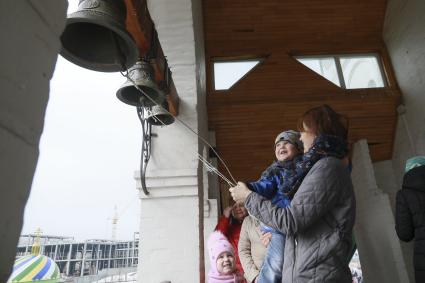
{"points": [[346, 96]]}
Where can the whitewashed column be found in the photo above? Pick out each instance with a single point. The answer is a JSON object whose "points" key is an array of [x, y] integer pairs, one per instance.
{"points": [[169, 246], [29, 32], [171, 224], [379, 249]]}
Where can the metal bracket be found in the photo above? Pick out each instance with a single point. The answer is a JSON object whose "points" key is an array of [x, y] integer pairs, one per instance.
{"points": [[146, 147]]}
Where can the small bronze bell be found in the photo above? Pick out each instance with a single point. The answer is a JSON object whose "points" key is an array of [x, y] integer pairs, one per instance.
{"points": [[157, 116], [95, 37], [142, 74]]}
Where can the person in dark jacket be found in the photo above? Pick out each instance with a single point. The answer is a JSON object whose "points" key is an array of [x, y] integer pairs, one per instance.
{"points": [[410, 212], [319, 222]]}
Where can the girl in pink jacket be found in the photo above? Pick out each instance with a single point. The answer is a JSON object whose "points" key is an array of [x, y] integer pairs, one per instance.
{"points": [[222, 259]]}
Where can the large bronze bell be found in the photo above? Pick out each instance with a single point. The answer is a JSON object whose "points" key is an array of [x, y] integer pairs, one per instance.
{"points": [[95, 37], [142, 74], [157, 116]]}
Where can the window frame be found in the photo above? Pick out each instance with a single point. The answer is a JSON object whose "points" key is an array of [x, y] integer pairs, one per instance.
{"points": [[234, 60], [337, 60]]}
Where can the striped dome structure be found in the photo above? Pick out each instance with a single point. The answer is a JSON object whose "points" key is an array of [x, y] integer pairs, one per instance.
{"points": [[35, 268]]}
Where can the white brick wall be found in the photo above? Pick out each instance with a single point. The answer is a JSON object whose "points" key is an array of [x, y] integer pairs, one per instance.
{"points": [[171, 225], [169, 228], [403, 34]]}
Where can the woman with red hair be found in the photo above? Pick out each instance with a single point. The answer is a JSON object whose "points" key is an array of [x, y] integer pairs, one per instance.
{"points": [[319, 222]]}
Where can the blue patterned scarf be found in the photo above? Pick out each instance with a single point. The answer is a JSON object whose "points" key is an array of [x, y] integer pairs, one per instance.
{"points": [[323, 146]]}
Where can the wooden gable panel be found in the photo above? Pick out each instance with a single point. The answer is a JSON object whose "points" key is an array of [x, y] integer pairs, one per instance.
{"points": [[247, 117]]}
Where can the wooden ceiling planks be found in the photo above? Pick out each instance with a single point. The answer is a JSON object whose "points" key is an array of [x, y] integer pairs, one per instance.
{"points": [[289, 23], [272, 97]]}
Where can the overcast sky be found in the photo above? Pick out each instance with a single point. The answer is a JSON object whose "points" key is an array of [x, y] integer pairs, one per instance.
{"points": [[89, 151]]}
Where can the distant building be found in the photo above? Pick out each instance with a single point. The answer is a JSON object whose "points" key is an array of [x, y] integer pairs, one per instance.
{"points": [[79, 258]]}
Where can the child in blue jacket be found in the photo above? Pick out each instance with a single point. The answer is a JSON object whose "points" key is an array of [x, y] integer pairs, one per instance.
{"points": [[274, 185]]}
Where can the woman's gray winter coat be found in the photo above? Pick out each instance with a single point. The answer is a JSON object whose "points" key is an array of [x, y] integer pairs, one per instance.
{"points": [[318, 224]]}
